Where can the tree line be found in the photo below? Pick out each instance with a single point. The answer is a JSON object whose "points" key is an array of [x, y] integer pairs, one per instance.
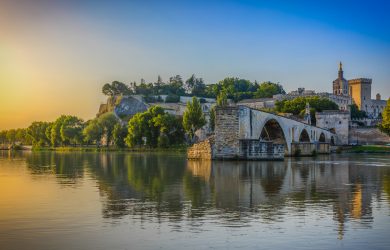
{"points": [[152, 128], [235, 88]]}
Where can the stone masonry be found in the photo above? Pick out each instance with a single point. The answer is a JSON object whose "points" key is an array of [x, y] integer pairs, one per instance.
{"points": [[201, 150], [226, 133]]}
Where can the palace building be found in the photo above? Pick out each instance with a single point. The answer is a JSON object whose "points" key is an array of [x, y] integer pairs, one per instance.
{"points": [[360, 91]]}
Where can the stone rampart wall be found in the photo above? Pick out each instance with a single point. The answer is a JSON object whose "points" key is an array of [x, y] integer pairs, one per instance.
{"points": [[367, 136]]}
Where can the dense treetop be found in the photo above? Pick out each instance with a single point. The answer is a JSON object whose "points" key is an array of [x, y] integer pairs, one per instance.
{"points": [[234, 88]]}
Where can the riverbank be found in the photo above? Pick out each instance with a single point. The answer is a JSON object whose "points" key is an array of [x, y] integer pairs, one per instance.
{"points": [[383, 149], [179, 148]]}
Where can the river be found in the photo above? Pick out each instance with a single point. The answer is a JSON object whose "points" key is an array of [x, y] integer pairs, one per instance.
{"points": [[82, 200]]}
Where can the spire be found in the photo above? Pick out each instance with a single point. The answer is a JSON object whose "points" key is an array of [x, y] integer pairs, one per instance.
{"points": [[341, 71]]}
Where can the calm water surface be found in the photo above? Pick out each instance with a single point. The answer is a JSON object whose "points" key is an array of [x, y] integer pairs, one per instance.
{"points": [[162, 201]]}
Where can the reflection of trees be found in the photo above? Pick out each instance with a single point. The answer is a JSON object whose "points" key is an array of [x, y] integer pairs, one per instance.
{"points": [[68, 167], [130, 180], [163, 186]]}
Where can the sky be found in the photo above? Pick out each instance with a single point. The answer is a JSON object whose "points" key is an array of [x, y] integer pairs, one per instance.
{"points": [[56, 55]]}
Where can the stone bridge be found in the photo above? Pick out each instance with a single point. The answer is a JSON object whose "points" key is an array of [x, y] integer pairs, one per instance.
{"points": [[236, 126]]}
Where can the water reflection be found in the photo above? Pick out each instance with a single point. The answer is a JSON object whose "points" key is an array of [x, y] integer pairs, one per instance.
{"points": [[166, 187]]}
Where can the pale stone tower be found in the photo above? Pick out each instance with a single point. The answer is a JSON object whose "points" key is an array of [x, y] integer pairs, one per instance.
{"points": [[360, 91], [340, 85]]}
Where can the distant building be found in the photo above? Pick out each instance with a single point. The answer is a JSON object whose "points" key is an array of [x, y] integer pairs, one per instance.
{"points": [[260, 103], [337, 121], [360, 90], [340, 85]]}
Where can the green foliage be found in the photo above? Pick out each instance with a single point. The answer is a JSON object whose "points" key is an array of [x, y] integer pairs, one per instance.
{"points": [[193, 117], [116, 88], [195, 86], [119, 134], [3, 136], [64, 130], [356, 113], [93, 132], [71, 130], [107, 122], [37, 133], [222, 99], [297, 105], [11, 136], [268, 89], [385, 125], [212, 118], [154, 125], [163, 141], [234, 88], [55, 135]]}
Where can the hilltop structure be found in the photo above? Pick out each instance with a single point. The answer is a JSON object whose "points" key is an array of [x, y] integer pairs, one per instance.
{"points": [[359, 90]]}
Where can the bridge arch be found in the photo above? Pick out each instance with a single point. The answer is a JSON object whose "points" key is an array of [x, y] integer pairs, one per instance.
{"points": [[322, 137], [273, 131], [304, 136]]}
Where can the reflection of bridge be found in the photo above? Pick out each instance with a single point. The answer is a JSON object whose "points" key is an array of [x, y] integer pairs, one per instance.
{"points": [[236, 126]]}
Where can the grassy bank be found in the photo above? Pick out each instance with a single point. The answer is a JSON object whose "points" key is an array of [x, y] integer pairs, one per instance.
{"points": [[178, 148], [369, 149]]}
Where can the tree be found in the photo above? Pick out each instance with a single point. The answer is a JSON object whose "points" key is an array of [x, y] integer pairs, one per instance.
{"points": [[11, 136], [3, 136], [356, 113], [71, 130], [116, 88], [385, 125], [193, 117], [297, 106], [222, 99], [119, 134], [195, 86], [37, 133], [107, 90], [93, 132], [55, 135], [107, 121], [21, 136], [268, 89], [156, 127]]}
